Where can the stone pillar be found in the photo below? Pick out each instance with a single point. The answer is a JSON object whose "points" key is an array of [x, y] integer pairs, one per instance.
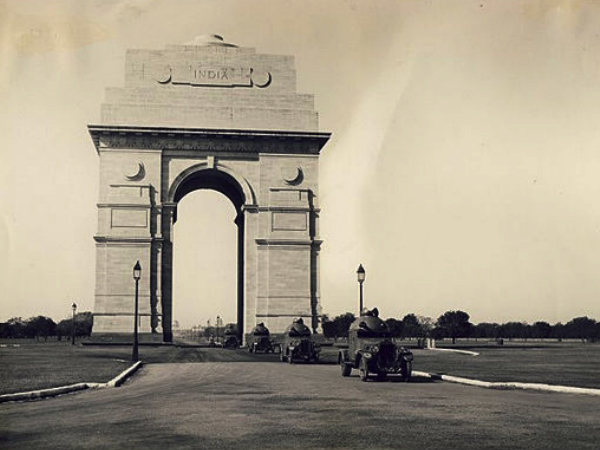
{"points": [[250, 267], [123, 238], [168, 214], [126, 234], [287, 259], [240, 223]]}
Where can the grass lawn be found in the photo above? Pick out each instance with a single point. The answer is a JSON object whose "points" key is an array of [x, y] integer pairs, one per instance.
{"points": [[34, 365], [29, 365], [26, 364], [567, 364]]}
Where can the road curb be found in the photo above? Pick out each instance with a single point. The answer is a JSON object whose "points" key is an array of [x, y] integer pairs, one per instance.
{"points": [[122, 377], [511, 385], [42, 393], [53, 392], [454, 350]]}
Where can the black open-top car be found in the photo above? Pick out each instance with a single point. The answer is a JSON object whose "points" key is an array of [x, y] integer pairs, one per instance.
{"points": [[230, 339], [260, 341], [372, 351], [298, 345]]}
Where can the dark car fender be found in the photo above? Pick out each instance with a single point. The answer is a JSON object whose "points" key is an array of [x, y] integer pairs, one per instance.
{"points": [[405, 354], [361, 354]]}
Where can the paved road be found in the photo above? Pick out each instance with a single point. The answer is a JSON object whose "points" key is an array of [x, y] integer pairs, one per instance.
{"points": [[269, 405]]}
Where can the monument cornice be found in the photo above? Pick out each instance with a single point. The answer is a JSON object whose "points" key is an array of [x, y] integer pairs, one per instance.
{"points": [[124, 205], [123, 240], [288, 242], [207, 139], [288, 209]]}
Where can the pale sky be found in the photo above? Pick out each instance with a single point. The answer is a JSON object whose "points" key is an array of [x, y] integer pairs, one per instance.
{"points": [[463, 171]]}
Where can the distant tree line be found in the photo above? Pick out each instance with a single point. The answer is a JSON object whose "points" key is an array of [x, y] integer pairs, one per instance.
{"points": [[583, 328], [451, 324], [44, 327], [456, 324]]}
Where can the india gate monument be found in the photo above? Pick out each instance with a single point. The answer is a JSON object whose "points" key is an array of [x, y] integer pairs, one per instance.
{"points": [[207, 115]]}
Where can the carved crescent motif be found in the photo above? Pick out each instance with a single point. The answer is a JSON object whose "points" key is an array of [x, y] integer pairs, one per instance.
{"points": [[257, 79], [292, 175], [134, 171], [166, 77]]}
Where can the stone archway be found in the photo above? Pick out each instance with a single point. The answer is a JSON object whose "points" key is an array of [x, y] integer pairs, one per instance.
{"points": [[213, 123], [218, 179]]}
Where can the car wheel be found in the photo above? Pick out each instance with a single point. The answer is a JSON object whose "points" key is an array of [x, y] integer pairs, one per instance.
{"points": [[316, 359], [406, 370], [381, 376], [363, 370], [345, 369], [290, 358]]}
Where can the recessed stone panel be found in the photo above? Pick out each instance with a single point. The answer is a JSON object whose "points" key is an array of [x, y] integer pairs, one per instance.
{"points": [[290, 221], [129, 218]]}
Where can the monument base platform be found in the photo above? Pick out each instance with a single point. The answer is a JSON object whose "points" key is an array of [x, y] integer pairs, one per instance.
{"points": [[125, 339]]}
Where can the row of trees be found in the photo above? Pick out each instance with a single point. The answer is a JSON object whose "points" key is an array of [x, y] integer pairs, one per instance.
{"points": [[451, 324], [583, 328], [44, 327], [456, 324]]}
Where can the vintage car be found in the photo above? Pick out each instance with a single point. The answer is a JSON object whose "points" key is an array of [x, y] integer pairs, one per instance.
{"points": [[212, 342], [298, 345], [230, 339], [372, 351], [260, 341]]}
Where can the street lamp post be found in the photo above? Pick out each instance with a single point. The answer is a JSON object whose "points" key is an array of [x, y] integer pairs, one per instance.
{"points": [[137, 274], [74, 308], [361, 279], [217, 327]]}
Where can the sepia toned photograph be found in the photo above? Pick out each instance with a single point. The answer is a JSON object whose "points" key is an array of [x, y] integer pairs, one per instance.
{"points": [[310, 224]]}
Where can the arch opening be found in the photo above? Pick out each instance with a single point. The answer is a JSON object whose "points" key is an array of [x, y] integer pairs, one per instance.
{"points": [[212, 179], [204, 264], [225, 184]]}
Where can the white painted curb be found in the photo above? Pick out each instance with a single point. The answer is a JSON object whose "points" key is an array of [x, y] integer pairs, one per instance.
{"points": [[32, 395], [120, 379], [52, 392], [454, 350], [510, 384], [517, 385], [416, 373]]}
